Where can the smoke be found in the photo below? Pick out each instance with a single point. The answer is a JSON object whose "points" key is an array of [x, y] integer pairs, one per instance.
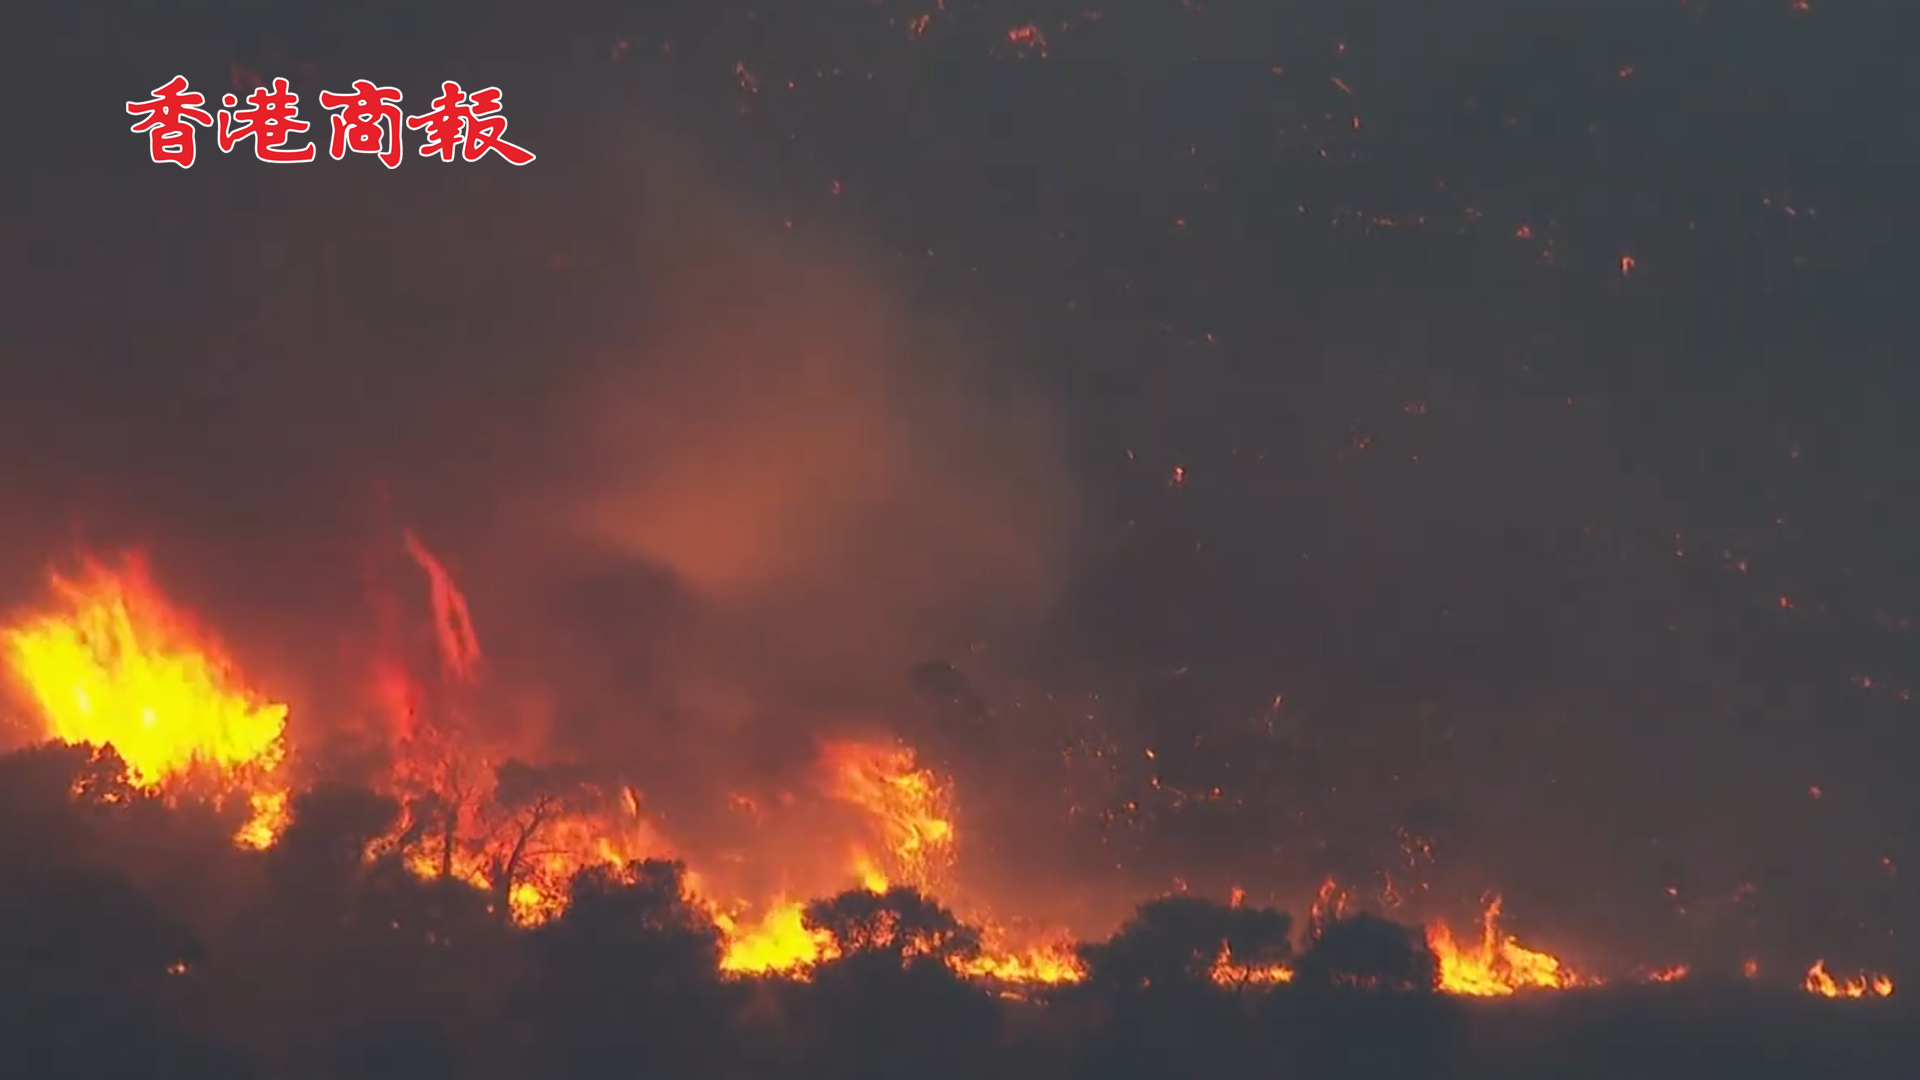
{"points": [[773, 492], [711, 486]]}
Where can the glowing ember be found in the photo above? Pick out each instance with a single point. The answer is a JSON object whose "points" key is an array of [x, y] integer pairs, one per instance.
{"points": [[1499, 965], [113, 663], [1866, 984], [1227, 972]]}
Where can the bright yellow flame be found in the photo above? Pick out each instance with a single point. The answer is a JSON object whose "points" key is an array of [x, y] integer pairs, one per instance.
{"points": [[1499, 964], [1045, 965], [1866, 984], [114, 664], [778, 942]]}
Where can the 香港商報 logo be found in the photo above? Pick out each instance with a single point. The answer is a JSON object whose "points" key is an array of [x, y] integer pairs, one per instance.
{"points": [[365, 120]]}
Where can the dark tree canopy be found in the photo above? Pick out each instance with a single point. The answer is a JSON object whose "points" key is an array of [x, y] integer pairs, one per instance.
{"points": [[88, 929], [1367, 952], [629, 971], [1178, 941], [899, 924]]}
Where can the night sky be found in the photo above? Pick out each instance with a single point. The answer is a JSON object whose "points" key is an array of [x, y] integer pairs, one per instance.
{"points": [[1482, 429]]}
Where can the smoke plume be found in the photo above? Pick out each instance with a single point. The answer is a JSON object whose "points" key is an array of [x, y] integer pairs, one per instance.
{"points": [[771, 492]]}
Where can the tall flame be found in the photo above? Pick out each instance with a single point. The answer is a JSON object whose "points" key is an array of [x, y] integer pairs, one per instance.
{"points": [[910, 807], [1497, 964], [113, 663]]}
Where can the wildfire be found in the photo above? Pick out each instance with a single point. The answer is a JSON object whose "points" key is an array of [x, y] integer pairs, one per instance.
{"points": [[1228, 972], [524, 847], [911, 809], [1498, 964], [1042, 965], [452, 624], [113, 663], [1866, 984], [778, 942]]}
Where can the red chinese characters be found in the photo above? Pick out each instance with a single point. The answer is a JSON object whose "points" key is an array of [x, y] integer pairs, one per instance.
{"points": [[168, 119], [271, 119], [473, 126], [366, 120]]}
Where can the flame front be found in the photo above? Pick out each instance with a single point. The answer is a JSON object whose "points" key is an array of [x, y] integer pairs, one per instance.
{"points": [[114, 664], [1498, 965]]}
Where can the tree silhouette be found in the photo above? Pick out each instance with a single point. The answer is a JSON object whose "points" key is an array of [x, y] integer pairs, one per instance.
{"points": [[900, 926], [321, 855], [894, 973], [1367, 952], [53, 798], [532, 796], [434, 816], [1179, 940], [628, 973]]}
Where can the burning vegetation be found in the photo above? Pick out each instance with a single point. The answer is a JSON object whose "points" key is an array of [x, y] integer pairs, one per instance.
{"points": [[111, 663]]}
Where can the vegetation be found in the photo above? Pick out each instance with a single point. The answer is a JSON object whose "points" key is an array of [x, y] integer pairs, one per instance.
{"points": [[137, 940]]}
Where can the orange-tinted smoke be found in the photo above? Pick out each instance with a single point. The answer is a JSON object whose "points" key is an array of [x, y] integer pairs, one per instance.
{"points": [[839, 480]]}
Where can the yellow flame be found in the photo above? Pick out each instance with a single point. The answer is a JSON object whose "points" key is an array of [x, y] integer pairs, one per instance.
{"points": [[113, 663], [778, 942], [1498, 965], [1866, 984]]}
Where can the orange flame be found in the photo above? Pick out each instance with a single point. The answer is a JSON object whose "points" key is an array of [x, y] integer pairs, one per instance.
{"points": [[1043, 965], [910, 807], [113, 663], [1866, 984], [1499, 965]]}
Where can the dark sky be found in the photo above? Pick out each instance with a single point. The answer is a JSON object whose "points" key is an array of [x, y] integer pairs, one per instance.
{"points": [[1520, 394]]}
